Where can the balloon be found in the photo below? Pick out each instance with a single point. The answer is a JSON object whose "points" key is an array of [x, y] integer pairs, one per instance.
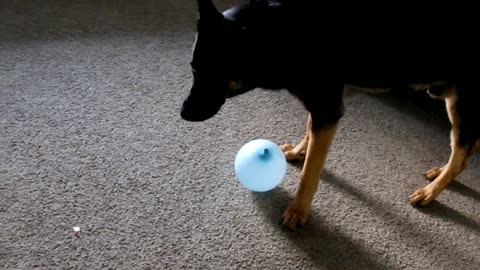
{"points": [[260, 165]]}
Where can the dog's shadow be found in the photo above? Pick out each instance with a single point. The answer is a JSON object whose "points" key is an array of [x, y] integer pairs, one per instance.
{"points": [[325, 246], [444, 212], [330, 248], [464, 190], [418, 105], [455, 186], [421, 107]]}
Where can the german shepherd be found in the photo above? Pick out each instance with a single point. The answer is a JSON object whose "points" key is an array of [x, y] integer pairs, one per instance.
{"points": [[314, 50]]}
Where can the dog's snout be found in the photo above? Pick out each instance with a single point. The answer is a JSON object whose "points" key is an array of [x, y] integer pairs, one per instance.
{"points": [[196, 109]]}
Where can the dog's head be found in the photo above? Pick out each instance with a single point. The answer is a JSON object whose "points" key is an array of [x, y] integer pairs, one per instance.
{"points": [[218, 63]]}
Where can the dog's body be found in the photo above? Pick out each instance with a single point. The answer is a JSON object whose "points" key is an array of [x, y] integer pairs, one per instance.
{"points": [[314, 53]]}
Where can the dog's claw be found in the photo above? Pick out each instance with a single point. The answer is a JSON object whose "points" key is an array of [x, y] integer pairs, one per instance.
{"points": [[433, 173], [295, 216], [423, 196]]}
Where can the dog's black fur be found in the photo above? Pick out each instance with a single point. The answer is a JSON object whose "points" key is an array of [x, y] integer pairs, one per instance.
{"points": [[314, 50]]}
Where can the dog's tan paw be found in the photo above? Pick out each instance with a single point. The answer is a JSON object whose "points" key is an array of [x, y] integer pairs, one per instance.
{"points": [[423, 196], [291, 153], [287, 147], [433, 173], [295, 215]]}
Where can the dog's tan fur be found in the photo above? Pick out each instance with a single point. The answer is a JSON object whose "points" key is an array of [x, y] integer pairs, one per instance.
{"points": [[314, 148], [319, 142], [458, 161], [298, 152]]}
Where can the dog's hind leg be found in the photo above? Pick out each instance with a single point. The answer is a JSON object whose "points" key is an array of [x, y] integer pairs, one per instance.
{"points": [[298, 152], [436, 171], [457, 162], [464, 142]]}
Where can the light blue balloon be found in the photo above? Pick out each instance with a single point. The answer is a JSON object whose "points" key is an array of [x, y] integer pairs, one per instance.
{"points": [[260, 165]]}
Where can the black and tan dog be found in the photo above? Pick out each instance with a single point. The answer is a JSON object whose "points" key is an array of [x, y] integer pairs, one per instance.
{"points": [[314, 50]]}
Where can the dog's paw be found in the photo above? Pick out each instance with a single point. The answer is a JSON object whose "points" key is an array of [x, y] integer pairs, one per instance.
{"points": [[423, 196], [433, 173], [291, 153], [295, 215]]}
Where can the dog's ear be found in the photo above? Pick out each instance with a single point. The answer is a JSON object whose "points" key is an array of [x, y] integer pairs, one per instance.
{"points": [[207, 11]]}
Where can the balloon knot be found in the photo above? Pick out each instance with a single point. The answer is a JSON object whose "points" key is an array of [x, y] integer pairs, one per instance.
{"points": [[265, 154]]}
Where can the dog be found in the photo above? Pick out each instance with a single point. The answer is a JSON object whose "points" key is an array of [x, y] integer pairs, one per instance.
{"points": [[314, 50]]}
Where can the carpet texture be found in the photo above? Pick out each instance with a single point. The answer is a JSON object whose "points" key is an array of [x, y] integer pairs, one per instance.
{"points": [[91, 136]]}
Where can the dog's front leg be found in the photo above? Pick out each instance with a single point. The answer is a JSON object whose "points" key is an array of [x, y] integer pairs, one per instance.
{"points": [[298, 152], [319, 143]]}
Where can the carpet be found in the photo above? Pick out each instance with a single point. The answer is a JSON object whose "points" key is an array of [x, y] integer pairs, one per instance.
{"points": [[91, 136]]}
